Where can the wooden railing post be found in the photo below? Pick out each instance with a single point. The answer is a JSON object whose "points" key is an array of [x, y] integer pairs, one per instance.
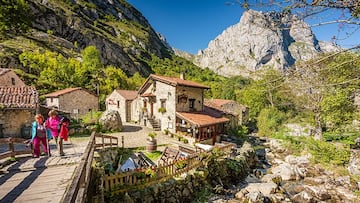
{"points": [[122, 141], [12, 148]]}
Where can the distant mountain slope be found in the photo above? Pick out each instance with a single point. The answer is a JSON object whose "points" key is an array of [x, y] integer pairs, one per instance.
{"points": [[258, 40], [120, 32]]}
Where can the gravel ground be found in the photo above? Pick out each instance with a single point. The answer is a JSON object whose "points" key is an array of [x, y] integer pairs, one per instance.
{"points": [[136, 136]]}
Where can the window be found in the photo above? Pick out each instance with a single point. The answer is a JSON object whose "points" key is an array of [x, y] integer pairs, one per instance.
{"points": [[13, 81], [163, 103], [118, 104], [191, 103]]}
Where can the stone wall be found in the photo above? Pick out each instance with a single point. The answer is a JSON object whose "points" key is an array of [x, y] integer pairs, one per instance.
{"points": [[79, 101], [12, 121], [11, 79]]}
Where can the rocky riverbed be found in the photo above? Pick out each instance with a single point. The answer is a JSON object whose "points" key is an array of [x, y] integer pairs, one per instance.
{"points": [[277, 176]]}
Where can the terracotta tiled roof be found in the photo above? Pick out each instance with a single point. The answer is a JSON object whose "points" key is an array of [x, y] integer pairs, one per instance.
{"points": [[19, 97], [178, 81], [62, 92], [224, 105], [4, 70], [204, 118], [216, 103], [127, 94]]}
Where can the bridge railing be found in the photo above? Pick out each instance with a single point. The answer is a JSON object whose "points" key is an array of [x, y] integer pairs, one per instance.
{"points": [[78, 189], [12, 152]]}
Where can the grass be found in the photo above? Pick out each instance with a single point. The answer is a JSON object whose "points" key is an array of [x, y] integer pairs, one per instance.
{"points": [[327, 154]]}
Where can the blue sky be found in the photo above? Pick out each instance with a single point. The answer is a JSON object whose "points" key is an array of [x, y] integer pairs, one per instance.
{"points": [[190, 25]]}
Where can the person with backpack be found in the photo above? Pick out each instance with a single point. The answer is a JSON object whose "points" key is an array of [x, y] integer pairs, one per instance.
{"points": [[54, 124], [39, 135]]}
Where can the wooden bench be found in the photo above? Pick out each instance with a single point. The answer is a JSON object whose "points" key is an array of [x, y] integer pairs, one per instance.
{"points": [[169, 154]]}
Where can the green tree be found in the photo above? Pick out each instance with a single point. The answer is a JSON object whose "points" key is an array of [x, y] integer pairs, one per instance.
{"points": [[269, 121], [269, 90], [14, 16], [91, 69], [323, 85]]}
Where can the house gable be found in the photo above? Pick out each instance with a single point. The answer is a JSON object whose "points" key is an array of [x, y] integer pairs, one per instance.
{"points": [[9, 78], [76, 101]]}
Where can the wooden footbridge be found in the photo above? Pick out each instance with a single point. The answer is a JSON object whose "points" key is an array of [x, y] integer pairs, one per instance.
{"points": [[49, 179]]}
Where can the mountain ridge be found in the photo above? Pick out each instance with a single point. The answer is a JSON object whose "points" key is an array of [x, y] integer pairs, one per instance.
{"points": [[259, 40]]}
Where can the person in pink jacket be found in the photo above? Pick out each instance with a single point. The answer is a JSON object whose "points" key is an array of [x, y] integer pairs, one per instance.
{"points": [[53, 124]]}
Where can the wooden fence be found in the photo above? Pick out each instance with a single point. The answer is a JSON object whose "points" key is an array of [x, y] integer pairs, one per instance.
{"points": [[78, 189], [12, 152], [141, 178]]}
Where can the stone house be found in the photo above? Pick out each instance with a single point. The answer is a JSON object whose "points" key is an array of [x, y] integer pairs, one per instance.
{"points": [[75, 101], [177, 104], [18, 106], [235, 112], [122, 101], [9, 78]]}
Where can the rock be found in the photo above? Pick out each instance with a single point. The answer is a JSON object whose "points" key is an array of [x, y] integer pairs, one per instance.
{"points": [[111, 120], [252, 179], [294, 129], [261, 39], [319, 192], [354, 163], [298, 160], [285, 170], [264, 188], [303, 197], [255, 197]]}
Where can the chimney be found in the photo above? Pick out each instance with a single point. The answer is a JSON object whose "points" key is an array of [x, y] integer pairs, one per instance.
{"points": [[182, 76]]}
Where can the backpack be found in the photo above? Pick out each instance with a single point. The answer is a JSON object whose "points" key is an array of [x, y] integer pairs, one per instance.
{"points": [[63, 119]]}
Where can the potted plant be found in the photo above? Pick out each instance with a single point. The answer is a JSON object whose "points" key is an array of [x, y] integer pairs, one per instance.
{"points": [[151, 142], [166, 131], [162, 110]]}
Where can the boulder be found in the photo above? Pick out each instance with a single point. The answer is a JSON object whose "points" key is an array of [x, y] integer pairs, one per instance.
{"points": [[111, 121]]}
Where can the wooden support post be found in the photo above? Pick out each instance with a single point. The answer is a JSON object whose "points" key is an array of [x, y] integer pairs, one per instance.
{"points": [[122, 142], [11, 148]]}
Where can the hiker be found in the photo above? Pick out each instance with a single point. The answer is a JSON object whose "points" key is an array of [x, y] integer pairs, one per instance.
{"points": [[53, 124], [39, 135]]}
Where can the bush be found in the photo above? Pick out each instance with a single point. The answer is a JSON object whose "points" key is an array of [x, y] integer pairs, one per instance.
{"points": [[269, 121]]}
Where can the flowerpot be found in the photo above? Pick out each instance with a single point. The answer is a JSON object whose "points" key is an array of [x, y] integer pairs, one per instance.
{"points": [[151, 145]]}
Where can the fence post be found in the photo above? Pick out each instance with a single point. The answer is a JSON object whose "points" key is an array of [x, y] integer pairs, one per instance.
{"points": [[122, 142], [11, 148]]}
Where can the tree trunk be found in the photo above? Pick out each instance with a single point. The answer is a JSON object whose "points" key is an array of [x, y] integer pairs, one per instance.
{"points": [[318, 126]]}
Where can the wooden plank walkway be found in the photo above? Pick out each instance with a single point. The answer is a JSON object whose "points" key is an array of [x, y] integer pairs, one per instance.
{"points": [[43, 179]]}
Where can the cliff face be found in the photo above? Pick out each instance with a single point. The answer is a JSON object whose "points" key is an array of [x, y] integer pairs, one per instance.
{"points": [[119, 31], [261, 39]]}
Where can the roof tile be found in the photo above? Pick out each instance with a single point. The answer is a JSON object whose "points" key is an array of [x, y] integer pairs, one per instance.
{"points": [[128, 94], [18, 97]]}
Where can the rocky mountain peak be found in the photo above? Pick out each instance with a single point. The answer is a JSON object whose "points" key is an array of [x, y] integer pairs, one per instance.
{"points": [[261, 39]]}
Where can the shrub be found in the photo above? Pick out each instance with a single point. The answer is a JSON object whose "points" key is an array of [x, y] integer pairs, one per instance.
{"points": [[269, 121]]}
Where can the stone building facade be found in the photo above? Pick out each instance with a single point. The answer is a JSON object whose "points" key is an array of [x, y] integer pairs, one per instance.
{"points": [[75, 101], [122, 101], [236, 113], [9, 78], [18, 106], [177, 105]]}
